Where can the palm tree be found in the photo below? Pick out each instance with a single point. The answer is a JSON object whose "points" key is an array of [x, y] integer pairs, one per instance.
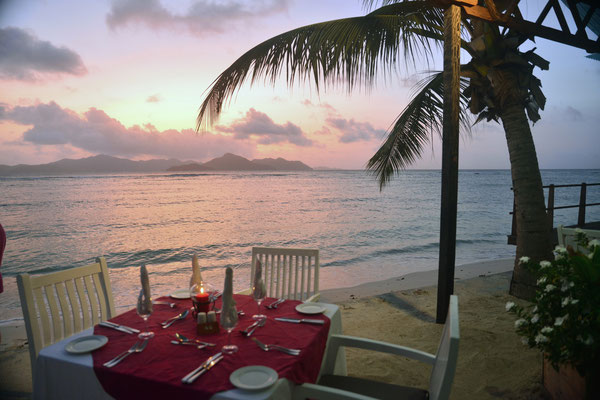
{"points": [[496, 84]]}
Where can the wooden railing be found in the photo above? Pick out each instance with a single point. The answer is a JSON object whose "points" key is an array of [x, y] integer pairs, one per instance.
{"points": [[512, 238]]}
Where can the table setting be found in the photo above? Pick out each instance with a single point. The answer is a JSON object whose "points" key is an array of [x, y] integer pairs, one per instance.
{"points": [[158, 349]]}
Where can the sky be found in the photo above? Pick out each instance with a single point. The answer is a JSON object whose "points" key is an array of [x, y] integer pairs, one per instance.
{"points": [[126, 78]]}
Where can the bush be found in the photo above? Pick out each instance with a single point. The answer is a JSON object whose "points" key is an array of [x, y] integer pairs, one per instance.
{"points": [[564, 318]]}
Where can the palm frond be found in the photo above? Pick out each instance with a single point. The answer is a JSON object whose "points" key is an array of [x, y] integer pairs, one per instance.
{"points": [[350, 52], [414, 127]]}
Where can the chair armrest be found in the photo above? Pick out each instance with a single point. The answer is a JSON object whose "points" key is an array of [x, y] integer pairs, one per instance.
{"points": [[311, 391], [336, 341]]}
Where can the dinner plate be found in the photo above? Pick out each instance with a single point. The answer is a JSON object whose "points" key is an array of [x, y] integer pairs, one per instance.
{"points": [[253, 377], [308, 308], [85, 344], [181, 294]]}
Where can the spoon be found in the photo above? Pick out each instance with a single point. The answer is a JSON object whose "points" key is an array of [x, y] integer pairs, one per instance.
{"points": [[170, 322], [182, 338]]}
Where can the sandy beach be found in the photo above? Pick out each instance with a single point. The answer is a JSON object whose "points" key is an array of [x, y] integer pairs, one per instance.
{"points": [[493, 363]]}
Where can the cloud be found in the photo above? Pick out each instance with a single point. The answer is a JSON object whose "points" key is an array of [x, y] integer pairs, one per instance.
{"points": [[259, 125], [155, 98], [573, 114], [25, 57], [201, 17], [97, 132], [353, 131], [325, 106]]}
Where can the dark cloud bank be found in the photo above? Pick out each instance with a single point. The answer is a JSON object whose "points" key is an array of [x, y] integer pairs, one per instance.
{"points": [[25, 57]]}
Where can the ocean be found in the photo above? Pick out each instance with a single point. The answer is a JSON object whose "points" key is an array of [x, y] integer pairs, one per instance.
{"points": [[161, 220]]}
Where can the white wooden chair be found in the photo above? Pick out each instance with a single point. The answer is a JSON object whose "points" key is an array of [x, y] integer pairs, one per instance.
{"points": [[336, 387], [288, 273], [567, 236], [60, 304]]}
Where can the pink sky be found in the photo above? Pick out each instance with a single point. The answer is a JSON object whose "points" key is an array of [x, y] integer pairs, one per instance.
{"points": [[126, 78]]}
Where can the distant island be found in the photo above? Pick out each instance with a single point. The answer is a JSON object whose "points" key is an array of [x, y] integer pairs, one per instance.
{"points": [[103, 164]]}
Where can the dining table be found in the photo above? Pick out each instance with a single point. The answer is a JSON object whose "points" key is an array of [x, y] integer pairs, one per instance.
{"points": [[157, 371]]}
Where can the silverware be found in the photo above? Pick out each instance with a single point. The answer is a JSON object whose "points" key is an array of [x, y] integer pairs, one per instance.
{"points": [[274, 304], [171, 321], [198, 346], [182, 338], [261, 322], [214, 296], [204, 370], [201, 367], [165, 303], [240, 312], [304, 320], [268, 347], [115, 326], [245, 331], [138, 347], [121, 326]]}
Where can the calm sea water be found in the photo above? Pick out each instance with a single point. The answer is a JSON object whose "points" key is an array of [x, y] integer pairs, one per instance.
{"points": [[161, 220]]}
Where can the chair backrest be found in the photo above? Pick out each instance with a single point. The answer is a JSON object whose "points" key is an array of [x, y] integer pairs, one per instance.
{"points": [[567, 236], [60, 304], [442, 374], [288, 273]]}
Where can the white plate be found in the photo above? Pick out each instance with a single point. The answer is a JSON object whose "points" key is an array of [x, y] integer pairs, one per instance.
{"points": [[253, 377], [308, 308], [180, 294], [85, 344]]}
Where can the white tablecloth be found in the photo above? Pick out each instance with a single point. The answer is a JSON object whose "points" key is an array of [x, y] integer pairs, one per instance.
{"points": [[62, 375]]}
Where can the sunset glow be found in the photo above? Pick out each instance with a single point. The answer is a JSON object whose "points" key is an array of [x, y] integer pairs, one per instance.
{"points": [[125, 78]]}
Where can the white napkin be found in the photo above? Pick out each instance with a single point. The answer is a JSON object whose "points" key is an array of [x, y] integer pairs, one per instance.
{"points": [[229, 314], [145, 293]]}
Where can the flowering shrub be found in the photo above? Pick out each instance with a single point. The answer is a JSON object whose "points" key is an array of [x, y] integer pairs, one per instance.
{"points": [[564, 318]]}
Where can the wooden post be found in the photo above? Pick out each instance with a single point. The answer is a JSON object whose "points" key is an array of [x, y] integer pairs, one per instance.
{"points": [[582, 200], [550, 208], [451, 76]]}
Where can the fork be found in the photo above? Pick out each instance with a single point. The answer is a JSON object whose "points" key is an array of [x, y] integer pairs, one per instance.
{"points": [[138, 347], [274, 304], [165, 303], [267, 347]]}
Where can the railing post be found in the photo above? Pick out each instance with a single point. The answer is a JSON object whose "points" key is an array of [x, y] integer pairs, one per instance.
{"points": [[582, 200], [551, 205]]}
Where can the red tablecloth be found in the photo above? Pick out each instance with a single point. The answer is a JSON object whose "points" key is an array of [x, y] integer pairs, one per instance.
{"points": [[157, 371]]}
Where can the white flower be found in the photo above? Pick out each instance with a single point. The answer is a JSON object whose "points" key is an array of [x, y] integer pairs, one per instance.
{"points": [[591, 256], [549, 288], [546, 329], [578, 230], [534, 309], [574, 301], [523, 260], [509, 305], [519, 323], [545, 264], [565, 302], [541, 280], [535, 318], [589, 341], [594, 243], [559, 320], [565, 286], [560, 249], [524, 340], [541, 338]]}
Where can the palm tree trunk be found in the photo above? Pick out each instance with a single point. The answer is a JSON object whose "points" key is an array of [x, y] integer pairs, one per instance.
{"points": [[533, 225]]}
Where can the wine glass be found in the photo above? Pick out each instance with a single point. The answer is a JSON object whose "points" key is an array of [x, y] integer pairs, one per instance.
{"points": [[259, 293], [229, 321], [144, 309]]}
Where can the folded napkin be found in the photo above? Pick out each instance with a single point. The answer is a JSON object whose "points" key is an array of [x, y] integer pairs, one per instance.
{"points": [[258, 285], [229, 314], [145, 292]]}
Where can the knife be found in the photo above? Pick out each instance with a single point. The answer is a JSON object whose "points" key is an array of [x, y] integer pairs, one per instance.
{"points": [[117, 327], [297, 321], [208, 366], [201, 367], [122, 326]]}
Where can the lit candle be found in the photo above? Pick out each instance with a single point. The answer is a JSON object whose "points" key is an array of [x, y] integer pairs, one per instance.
{"points": [[202, 301]]}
